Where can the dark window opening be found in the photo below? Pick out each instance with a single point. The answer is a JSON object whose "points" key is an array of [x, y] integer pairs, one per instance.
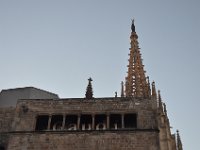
{"points": [[100, 122], [130, 121], [115, 121], [42, 122], [71, 122], [2, 147], [56, 122], [86, 122]]}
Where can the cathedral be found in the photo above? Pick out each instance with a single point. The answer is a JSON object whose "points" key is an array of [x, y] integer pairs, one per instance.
{"points": [[135, 120]]}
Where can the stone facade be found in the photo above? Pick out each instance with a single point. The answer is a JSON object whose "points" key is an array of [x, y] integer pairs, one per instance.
{"points": [[21, 132]]}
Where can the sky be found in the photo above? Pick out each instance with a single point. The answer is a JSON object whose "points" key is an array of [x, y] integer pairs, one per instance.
{"points": [[58, 45]]}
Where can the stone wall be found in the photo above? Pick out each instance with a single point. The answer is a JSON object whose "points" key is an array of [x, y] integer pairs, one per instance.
{"points": [[6, 118], [25, 120], [22, 135], [85, 141]]}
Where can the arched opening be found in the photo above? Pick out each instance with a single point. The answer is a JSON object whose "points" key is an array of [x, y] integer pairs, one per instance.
{"points": [[86, 122], [42, 122], [115, 121], [56, 122], [100, 122], [130, 121], [71, 122], [2, 147]]}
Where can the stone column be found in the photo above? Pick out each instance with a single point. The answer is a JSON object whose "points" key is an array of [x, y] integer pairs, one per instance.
{"points": [[63, 123], [34, 124], [49, 122], [78, 121], [108, 121], [122, 121], [93, 122]]}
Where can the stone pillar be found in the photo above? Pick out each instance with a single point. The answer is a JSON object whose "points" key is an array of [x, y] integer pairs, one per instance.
{"points": [[93, 122], [108, 121], [49, 122], [78, 122], [63, 123], [122, 121], [34, 124]]}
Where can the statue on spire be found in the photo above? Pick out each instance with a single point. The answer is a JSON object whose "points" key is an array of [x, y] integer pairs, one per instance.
{"points": [[133, 26], [89, 91]]}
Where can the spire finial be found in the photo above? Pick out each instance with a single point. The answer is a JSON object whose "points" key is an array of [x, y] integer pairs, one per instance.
{"points": [[89, 91], [179, 143], [133, 26], [122, 89]]}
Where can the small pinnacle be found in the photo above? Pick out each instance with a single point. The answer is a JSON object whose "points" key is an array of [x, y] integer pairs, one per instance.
{"points": [[179, 143], [154, 95], [89, 91], [160, 101], [122, 89], [165, 109]]}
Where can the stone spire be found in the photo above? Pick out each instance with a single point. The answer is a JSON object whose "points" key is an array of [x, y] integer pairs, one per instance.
{"points": [[136, 84], [179, 143], [89, 91], [122, 89]]}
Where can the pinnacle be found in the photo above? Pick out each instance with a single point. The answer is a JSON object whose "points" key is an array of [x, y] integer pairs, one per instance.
{"points": [[89, 91], [179, 143]]}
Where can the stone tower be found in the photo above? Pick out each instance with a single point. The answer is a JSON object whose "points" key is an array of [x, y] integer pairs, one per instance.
{"points": [[137, 120]]}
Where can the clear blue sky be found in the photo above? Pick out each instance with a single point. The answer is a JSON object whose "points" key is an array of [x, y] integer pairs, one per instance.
{"points": [[58, 45]]}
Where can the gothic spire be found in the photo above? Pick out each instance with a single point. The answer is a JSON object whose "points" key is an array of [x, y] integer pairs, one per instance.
{"points": [[89, 91], [136, 84], [179, 143]]}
